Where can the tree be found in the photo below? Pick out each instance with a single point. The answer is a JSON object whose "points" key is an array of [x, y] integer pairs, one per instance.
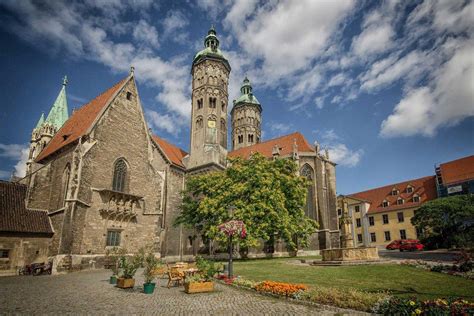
{"points": [[447, 222], [267, 195]]}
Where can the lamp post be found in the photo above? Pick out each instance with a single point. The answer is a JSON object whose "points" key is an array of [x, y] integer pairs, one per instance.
{"points": [[231, 247]]}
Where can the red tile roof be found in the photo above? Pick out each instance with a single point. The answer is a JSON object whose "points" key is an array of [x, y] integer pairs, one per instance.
{"points": [[457, 171], [424, 187], [79, 122], [174, 153], [15, 217], [285, 143]]}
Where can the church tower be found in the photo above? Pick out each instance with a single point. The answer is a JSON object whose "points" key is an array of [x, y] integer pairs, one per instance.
{"points": [[246, 118], [210, 76], [46, 128]]}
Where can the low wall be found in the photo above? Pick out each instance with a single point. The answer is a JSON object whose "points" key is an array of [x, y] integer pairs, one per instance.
{"points": [[350, 254]]}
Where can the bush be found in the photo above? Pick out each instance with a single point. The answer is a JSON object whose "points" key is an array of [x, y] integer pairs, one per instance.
{"points": [[280, 288], [437, 268], [129, 265], [151, 265], [244, 283], [208, 269], [344, 298], [396, 306]]}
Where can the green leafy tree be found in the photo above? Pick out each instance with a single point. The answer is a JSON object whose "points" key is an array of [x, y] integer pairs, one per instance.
{"points": [[266, 195], [447, 222]]}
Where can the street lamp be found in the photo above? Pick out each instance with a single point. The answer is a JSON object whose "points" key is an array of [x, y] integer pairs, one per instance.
{"points": [[230, 269]]}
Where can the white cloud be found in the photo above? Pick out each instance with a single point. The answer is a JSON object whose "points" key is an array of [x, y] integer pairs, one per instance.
{"points": [[279, 129], [339, 79], [164, 122], [16, 152], [374, 39], [446, 102], [145, 34], [338, 151], [174, 22], [340, 154]]}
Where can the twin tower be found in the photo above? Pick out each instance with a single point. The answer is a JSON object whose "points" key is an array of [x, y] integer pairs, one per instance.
{"points": [[210, 72]]}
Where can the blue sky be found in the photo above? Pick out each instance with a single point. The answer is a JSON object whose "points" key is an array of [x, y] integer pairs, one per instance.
{"points": [[387, 86]]}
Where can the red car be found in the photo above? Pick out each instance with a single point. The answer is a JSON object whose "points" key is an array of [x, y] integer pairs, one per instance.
{"points": [[396, 243], [411, 246]]}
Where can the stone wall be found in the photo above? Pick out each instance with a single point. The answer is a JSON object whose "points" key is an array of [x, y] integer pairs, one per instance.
{"points": [[23, 250]]}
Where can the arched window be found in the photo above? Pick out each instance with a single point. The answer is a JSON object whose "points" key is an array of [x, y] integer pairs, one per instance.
{"points": [[65, 182], [120, 175], [199, 122], [308, 173]]}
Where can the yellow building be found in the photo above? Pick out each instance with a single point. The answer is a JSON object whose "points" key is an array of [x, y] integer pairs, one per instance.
{"points": [[384, 214]]}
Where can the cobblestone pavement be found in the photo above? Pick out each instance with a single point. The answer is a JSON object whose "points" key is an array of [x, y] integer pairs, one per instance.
{"points": [[88, 292]]}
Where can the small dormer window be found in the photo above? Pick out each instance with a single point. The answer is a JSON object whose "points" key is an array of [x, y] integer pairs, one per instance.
{"points": [[400, 201], [395, 191], [129, 96], [409, 189], [416, 198], [385, 203]]}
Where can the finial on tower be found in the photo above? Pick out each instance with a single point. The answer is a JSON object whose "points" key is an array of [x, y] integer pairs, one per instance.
{"points": [[132, 70], [65, 81]]}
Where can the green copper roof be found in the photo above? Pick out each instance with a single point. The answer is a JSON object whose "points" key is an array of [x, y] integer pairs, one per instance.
{"points": [[211, 47], [246, 94], [59, 112], [40, 121]]}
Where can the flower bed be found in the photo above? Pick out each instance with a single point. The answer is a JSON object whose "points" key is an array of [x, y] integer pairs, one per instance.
{"points": [[396, 306], [280, 288]]}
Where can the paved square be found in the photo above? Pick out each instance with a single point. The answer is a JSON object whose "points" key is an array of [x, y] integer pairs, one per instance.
{"points": [[88, 292]]}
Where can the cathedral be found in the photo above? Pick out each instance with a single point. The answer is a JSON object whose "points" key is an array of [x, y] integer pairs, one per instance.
{"points": [[105, 180]]}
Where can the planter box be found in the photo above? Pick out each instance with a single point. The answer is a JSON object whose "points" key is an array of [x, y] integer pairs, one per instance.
{"points": [[199, 287], [125, 283]]}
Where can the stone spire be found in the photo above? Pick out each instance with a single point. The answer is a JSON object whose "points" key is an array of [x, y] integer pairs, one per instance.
{"points": [[59, 111], [40, 121]]}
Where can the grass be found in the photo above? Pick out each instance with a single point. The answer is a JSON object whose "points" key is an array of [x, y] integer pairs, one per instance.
{"points": [[401, 281]]}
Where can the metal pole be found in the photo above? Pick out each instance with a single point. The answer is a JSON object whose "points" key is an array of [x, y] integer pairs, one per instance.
{"points": [[230, 257]]}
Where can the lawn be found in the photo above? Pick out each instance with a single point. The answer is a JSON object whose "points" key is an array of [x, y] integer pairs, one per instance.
{"points": [[398, 280]]}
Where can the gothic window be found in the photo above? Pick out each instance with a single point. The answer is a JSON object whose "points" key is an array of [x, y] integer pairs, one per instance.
{"points": [[241, 139], [223, 106], [250, 138], [199, 122], [222, 125], [120, 175], [212, 103], [65, 182], [199, 103], [223, 133], [307, 172]]}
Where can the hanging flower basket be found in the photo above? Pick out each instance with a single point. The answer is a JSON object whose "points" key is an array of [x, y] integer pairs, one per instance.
{"points": [[233, 228]]}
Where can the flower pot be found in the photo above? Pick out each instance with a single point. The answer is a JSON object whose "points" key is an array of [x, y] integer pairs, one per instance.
{"points": [[199, 287], [125, 283], [148, 288], [113, 279]]}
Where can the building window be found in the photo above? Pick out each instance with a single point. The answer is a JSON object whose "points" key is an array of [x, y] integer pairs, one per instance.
{"points": [[400, 201], [357, 208], [387, 236], [416, 198], [403, 234], [241, 139], [358, 222], [372, 237], [65, 180], [359, 238], [250, 137], [409, 189], [212, 103], [113, 238], [190, 241], [4, 253], [199, 102], [385, 218], [199, 122], [339, 212], [258, 139], [120, 175], [395, 191], [308, 173], [385, 203], [419, 232], [371, 221], [223, 106], [400, 216], [129, 96]]}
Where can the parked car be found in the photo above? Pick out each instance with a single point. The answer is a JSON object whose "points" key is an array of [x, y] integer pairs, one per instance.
{"points": [[411, 246], [396, 243]]}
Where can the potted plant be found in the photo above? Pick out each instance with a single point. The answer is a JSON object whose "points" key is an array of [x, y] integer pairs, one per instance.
{"points": [[113, 263], [151, 266], [128, 267], [202, 282]]}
